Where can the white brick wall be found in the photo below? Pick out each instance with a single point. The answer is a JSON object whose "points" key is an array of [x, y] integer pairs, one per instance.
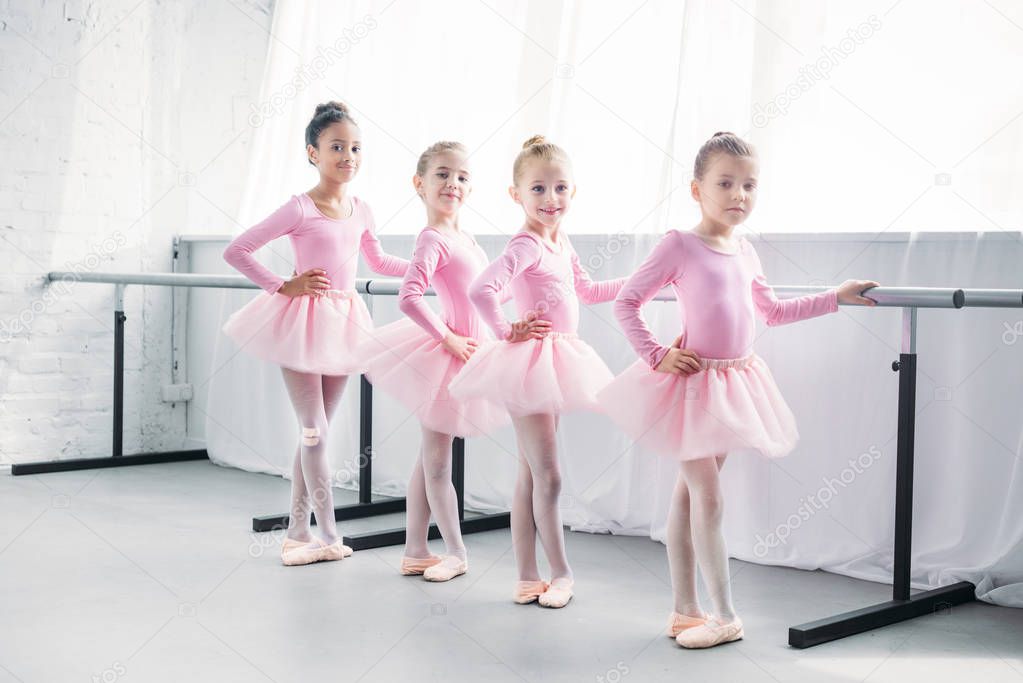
{"points": [[104, 109]]}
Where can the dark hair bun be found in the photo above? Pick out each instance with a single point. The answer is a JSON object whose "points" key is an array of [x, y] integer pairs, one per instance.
{"points": [[722, 132], [331, 106]]}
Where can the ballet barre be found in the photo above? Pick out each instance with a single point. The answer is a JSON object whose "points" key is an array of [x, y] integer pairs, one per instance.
{"points": [[117, 457], [901, 607], [891, 296], [366, 507]]}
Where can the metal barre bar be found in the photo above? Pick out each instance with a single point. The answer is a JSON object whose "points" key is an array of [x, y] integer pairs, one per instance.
{"points": [[994, 298], [919, 297], [362, 285]]}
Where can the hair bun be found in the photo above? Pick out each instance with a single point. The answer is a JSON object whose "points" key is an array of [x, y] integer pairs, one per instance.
{"points": [[331, 106], [535, 140], [722, 142]]}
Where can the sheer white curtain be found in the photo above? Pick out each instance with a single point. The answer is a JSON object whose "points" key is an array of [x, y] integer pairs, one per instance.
{"points": [[876, 118]]}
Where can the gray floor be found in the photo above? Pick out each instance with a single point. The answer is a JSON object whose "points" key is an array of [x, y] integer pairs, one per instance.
{"points": [[150, 574]]}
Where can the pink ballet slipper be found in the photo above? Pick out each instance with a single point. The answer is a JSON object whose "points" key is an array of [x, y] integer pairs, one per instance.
{"points": [[415, 566], [290, 544], [335, 551], [528, 591], [712, 632], [678, 622], [558, 595], [296, 553], [448, 568]]}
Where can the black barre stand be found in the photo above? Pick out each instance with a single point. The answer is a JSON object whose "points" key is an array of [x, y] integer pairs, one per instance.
{"points": [[476, 524], [902, 606], [118, 459], [366, 507]]}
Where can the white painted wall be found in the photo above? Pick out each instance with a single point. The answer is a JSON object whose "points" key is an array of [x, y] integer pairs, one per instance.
{"points": [[121, 125]]}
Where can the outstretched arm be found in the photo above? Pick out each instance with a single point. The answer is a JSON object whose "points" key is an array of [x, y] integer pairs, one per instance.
{"points": [[777, 311], [590, 292], [377, 259]]}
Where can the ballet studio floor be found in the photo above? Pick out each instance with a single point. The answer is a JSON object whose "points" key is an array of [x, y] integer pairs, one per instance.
{"points": [[150, 574]]}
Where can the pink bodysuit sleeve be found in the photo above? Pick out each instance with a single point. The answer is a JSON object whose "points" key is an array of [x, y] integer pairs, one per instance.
{"points": [[664, 265], [239, 252], [521, 253], [377, 259], [429, 254], [588, 291], [777, 311]]}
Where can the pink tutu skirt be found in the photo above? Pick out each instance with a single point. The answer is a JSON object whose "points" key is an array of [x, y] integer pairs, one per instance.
{"points": [[304, 333], [557, 374], [729, 405], [410, 365]]}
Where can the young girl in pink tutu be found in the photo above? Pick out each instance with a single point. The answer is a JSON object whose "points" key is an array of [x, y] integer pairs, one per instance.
{"points": [[415, 359], [708, 393], [541, 368], [311, 324]]}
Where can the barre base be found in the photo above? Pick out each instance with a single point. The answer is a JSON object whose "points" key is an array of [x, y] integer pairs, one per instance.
{"points": [[341, 513], [47, 466], [882, 614], [388, 537]]}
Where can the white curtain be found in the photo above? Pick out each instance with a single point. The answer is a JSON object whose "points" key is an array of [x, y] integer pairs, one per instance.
{"points": [[855, 136]]}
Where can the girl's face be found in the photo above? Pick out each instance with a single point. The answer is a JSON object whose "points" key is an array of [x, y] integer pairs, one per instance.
{"points": [[447, 182], [338, 152], [545, 190], [728, 191]]}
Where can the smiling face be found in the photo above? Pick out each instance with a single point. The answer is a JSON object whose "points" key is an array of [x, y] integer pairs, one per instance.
{"points": [[727, 192], [446, 183], [338, 152], [545, 191]]}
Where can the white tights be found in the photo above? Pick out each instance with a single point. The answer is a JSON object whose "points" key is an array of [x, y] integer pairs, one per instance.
{"points": [[695, 535], [315, 398], [535, 503], [430, 491]]}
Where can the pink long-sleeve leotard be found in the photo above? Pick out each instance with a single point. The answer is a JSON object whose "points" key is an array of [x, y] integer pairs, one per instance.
{"points": [[318, 242], [543, 280], [717, 294], [405, 358], [449, 264]]}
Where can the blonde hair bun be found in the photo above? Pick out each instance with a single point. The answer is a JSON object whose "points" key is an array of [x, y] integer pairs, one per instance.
{"points": [[535, 140]]}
